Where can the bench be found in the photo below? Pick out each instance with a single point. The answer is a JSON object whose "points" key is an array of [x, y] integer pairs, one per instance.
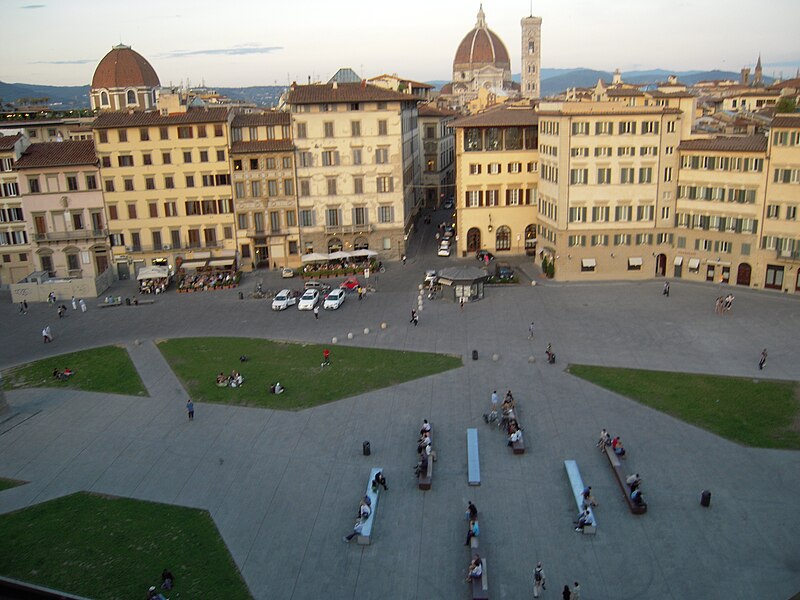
{"points": [[616, 466], [577, 491], [364, 538], [424, 479], [473, 458], [519, 446], [480, 585], [107, 304], [473, 541]]}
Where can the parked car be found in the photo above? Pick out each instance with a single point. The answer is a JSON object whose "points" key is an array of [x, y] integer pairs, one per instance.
{"points": [[335, 299], [448, 232], [482, 254], [309, 300], [350, 284], [444, 248], [284, 299], [430, 278], [314, 284], [287, 272], [448, 204], [503, 271]]}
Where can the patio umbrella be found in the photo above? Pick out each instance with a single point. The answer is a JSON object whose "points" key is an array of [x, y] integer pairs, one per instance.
{"points": [[364, 253], [314, 257], [339, 255]]}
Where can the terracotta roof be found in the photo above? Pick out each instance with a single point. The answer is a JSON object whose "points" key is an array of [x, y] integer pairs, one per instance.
{"points": [[790, 120], [788, 83], [628, 111], [142, 119], [751, 143], [58, 154], [274, 117], [482, 46], [7, 141], [402, 80], [123, 67], [343, 92], [426, 110], [500, 117], [676, 94], [262, 146], [624, 92]]}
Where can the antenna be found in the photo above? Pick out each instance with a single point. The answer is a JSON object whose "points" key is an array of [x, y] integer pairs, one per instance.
{"points": [[531, 7]]}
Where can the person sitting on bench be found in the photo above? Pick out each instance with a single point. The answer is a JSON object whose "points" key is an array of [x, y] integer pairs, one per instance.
{"points": [[587, 498], [515, 436], [637, 498], [616, 445], [364, 509], [422, 465], [222, 381], [379, 480], [605, 440], [475, 570], [472, 531], [277, 388], [633, 481], [584, 519], [426, 427], [424, 441]]}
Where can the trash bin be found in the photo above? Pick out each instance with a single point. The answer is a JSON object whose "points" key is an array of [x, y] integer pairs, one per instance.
{"points": [[474, 355], [705, 498], [365, 448], [241, 296]]}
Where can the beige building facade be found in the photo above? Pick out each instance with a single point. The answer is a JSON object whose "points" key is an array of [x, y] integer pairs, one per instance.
{"points": [[15, 247], [265, 190], [438, 147], [497, 179], [359, 175], [167, 186]]}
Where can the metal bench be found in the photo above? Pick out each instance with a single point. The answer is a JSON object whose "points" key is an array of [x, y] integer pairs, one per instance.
{"points": [[577, 491], [473, 458]]}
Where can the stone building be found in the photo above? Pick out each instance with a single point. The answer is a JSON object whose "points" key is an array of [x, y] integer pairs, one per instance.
{"points": [[438, 146], [15, 246], [124, 81]]}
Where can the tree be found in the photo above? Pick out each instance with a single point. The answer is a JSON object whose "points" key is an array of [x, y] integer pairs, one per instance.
{"points": [[786, 105]]}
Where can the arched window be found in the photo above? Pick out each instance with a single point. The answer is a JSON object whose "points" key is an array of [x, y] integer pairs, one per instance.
{"points": [[503, 238], [360, 243], [131, 97], [530, 237], [334, 245], [103, 98]]}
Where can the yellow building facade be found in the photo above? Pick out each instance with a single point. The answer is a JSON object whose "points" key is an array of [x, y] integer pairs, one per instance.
{"points": [[15, 247]]}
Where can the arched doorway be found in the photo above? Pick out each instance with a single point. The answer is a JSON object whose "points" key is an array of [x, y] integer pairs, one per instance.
{"points": [[503, 238], [743, 274], [661, 265], [334, 245], [530, 240], [473, 240], [360, 243]]}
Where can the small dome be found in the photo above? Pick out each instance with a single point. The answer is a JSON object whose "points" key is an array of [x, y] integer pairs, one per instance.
{"points": [[482, 46], [123, 67]]}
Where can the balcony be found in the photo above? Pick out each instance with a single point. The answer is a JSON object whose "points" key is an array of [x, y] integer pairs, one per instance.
{"points": [[69, 236], [342, 229]]}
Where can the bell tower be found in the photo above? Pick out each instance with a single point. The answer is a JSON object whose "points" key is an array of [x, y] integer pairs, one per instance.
{"points": [[531, 57]]}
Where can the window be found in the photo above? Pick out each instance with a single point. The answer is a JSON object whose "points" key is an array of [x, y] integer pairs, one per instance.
{"points": [[627, 127], [384, 184], [356, 156], [131, 211], [305, 187], [128, 184], [187, 156], [123, 135], [291, 218], [203, 155], [327, 128], [330, 158], [577, 214], [147, 159], [474, 169], [513, 197], [667, 173], [670, 126], [105, 161], [600, 214], [650, 127], [773, 211], [382, 155], [622, 239], [302, 132], [474, 198], [626, 175], [218, 130], [149, 183], [288, 187], [576, 240], [503, 238], [306, 217], [33, 185], [221, 155], [603, 176], [580, 128], [207, 180], [626, 151], [102, 135], [91, 182], [163, 133], [333, 217], [170, 209], [306, 159], [125, 160], [579, 151], [272, 188], [166, 158], [578, 176], [201, 131], [665, 212], [645, 212], [492, 197], [382, 127], [331, 185], [185, 132], [360, 215], [646, 175], [190, 181], [253, 164], [791, 213], [358, 185], [274, 220], [386, 214], [622, 213], [603, 128], [112, 212], [255, 189], [169, 182], [515, 167], [152, 208], [355, 128]]}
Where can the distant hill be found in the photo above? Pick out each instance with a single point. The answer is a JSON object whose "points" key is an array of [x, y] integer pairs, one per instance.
{"points": [[64, 97], [261, 95]]}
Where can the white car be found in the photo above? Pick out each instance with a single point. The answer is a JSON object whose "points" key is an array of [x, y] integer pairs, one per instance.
{"points": [[335, 299], [283, 300], [309, 300], [287, 272], [444, 249], [430, 277]]}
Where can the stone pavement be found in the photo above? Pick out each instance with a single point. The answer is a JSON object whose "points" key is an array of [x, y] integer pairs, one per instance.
{"points": [[282, 505]]}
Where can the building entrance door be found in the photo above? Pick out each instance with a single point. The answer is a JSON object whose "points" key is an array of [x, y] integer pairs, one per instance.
{"points": [[743, 274], [661, 265], [473, 240]]}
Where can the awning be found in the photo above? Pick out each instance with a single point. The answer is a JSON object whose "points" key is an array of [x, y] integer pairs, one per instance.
{"points": [[635, 261], [587, 263], [313, 257], [153, 273], [364, 252], [721, 263], [220, 262], [678, 261], [193, 264], [694, 263]]}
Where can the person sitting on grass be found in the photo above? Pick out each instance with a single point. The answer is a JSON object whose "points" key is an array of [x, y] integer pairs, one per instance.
{"points": [[236, 378], [277, 388], [153, 594], [222, 381], [167, 579]]}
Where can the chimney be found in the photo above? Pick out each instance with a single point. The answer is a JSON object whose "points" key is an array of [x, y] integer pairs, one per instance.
{"points": [[363, 84], [335, 85]]}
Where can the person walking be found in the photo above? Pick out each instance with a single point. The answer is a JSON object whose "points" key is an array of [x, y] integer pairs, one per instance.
{"points": [[763, 360], [414, 317], [316, 312], [666, 289], [74, 303], [190, 409], [82, 302], [576, 592], [565, 593], [404, 259], [530, 331], [538, 580], [495, 400], [326, 358]]}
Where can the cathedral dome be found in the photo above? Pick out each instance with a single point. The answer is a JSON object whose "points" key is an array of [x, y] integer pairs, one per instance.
{"points": [[482, 46], [123, 68]]}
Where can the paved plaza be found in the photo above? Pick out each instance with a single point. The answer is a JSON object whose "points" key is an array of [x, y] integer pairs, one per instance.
{"points": [[283, 488]]}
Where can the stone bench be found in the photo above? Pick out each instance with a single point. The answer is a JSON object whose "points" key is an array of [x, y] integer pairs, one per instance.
{"points": [[480, 585], [616, 466], [576, 483], [365, 537], [424, 479], [473, 458]]}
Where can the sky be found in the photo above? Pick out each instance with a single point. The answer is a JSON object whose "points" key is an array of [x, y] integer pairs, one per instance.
{"points": [[268, 42]]}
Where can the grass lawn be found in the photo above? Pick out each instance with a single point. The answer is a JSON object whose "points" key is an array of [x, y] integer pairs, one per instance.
{"points": [[7, 484], [106, 369], [115, 549], [197, 361], [758, 413]]}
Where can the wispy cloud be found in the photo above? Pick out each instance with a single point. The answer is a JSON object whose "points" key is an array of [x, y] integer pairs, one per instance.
{"points": [[79, 61], [242, 50], [30, 6]]}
